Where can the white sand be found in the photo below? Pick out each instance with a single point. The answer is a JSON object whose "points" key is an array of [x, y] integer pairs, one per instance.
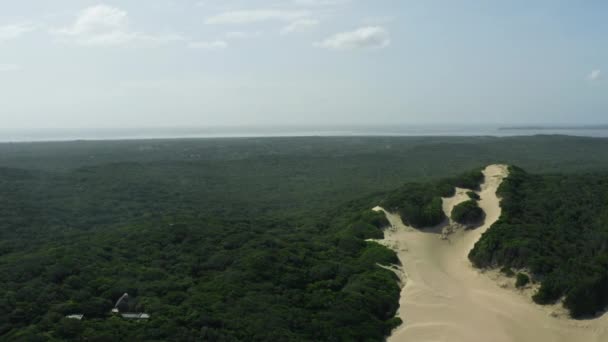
{"points": [[446, 299]]}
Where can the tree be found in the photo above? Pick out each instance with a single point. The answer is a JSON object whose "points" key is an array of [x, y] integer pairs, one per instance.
{"points": [[69, 328], [468, 213], [522, 280]]}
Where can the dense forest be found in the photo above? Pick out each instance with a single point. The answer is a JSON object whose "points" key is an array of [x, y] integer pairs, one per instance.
{"points": [[557, 227], [199, 275], [226, 239]]}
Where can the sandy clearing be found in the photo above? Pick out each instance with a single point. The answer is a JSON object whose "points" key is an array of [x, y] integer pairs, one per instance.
{"points": [[446, 299]]}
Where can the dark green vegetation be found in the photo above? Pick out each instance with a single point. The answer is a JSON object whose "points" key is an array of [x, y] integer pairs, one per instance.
{"points": [[507, 271], [420, 204], [200, 275], [522, 280], [468, 213], [227, 239], [557, 227], [473, 195]]}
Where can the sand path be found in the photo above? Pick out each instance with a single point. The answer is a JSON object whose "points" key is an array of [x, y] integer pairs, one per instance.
{"points": [[446, 299]]}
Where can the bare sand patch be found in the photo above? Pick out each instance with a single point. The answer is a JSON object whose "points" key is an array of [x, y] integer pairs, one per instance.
{"points": [[445, 299]]}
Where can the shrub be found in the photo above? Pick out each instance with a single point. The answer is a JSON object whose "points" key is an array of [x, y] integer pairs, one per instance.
{"points": [[522, 280], [467, 213], [507, 271], [473, 195]]}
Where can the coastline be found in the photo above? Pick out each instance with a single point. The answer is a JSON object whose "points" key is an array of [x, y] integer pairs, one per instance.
{"points": [[31, 135]]}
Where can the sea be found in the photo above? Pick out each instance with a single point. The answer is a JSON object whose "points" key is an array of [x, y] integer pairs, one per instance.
{"points": [[72, 134]]}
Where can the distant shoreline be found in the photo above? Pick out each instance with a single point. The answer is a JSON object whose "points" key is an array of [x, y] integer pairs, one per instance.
{"points": [[106, 134], [555, 128]]}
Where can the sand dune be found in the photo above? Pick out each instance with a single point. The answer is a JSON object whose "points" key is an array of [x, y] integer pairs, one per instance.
{"points": [[446, 299]]}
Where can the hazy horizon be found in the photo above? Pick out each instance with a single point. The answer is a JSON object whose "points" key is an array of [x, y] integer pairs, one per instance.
{"points": [[127, 133], [194, 63]]}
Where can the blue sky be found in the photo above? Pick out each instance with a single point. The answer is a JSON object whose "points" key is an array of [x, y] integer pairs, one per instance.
{"points": [[127, 63]]}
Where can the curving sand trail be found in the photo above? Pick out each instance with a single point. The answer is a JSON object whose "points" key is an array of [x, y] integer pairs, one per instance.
{"points": [[446, 299]]}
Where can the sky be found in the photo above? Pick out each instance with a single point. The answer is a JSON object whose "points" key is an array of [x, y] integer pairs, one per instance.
{"points": [[200, 63]]}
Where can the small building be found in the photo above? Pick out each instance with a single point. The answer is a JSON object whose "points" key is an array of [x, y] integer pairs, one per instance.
{"points": [[76, 316], [135, 315], [123, 305]]}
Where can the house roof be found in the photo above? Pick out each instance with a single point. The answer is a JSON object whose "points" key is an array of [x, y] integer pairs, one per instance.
{"points": [[135, 315]]}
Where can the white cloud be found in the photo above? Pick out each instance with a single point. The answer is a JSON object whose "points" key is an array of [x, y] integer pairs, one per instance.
{"points": [[103, 25], [213, 45], [366, 37], [299, 26], [256, 16], [595, 75], [9, 67], [14, 31], [242, 34]]}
